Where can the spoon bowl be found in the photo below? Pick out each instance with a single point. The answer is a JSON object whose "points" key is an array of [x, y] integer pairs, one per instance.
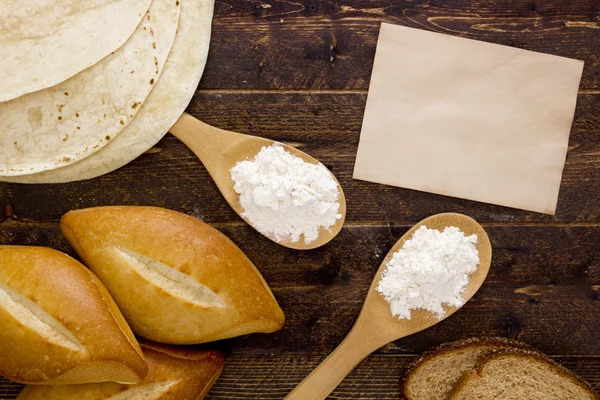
{"points": [[376, 327], [219, 150]]}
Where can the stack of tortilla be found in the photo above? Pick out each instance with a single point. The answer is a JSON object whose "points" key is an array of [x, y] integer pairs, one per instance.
{"points": [[88, 86]]}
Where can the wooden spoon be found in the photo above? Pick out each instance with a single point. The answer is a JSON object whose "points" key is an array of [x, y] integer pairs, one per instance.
{"points": [[376, 327], [219, 150]]}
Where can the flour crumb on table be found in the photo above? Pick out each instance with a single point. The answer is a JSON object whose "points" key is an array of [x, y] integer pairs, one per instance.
{"points": [[432, 268], [284, 197]]}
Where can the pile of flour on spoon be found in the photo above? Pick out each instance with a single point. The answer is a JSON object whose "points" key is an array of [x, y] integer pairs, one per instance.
{"points": [[284, 197], [432, 268]]}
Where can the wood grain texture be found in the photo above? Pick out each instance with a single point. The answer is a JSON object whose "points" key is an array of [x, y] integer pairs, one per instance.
{"points": [[298, 71], [377, 377], [547, 298], [328, 44], [272, 377], [523, 255], [325, 125]]}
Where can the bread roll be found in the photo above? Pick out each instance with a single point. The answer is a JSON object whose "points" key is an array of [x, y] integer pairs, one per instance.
{"points": [[176, 279], [173, 374], [59, 325]]}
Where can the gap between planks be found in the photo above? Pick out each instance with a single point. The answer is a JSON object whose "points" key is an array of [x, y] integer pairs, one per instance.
{"points": [[322, 91], [407, 355], [285, 91], [11, 223]]}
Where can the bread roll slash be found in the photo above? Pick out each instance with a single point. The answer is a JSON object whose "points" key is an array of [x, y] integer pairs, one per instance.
{"points": [[59, 325], [176, 279], [174, 374]]}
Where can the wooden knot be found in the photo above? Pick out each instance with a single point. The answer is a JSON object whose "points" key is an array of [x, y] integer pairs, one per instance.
{"points": [[8, 213], [512, 325]]}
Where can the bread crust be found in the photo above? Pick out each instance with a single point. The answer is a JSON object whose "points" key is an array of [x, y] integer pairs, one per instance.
{"points": [[531, 354], [176, 279], [499, 342], [174, 374], [60, 325]]}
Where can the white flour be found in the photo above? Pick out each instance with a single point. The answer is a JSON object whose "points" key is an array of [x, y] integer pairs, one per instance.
{"points": [[285, 197], [430, 269]]}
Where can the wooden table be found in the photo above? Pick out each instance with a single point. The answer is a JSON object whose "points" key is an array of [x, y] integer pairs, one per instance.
{"points": [[298, 72]]}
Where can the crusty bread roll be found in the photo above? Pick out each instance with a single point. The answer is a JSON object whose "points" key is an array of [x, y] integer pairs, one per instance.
{"points": [[176, 279], [173, 374], [59, 325]]}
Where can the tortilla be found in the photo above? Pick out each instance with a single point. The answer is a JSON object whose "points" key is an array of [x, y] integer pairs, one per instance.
{"points": [[46, 42], [162, 108], [74, 119]]}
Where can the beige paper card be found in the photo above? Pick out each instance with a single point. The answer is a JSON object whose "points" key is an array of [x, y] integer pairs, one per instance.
{"points": [[467, 119]]}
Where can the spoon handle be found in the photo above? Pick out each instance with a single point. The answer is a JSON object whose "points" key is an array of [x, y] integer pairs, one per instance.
{"points": [[332, 371], [204, 140], [210, 145]]}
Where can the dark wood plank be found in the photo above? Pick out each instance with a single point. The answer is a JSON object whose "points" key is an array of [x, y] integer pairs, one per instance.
{"points": [[534, 292], [325, 125], [562, 319], [330, 44], [523, 255], [9, 390], [273, 377], [330, 9], [269, 64], [377, 377]]}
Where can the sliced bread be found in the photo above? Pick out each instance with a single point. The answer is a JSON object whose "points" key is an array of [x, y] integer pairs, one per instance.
{"points": [[434, 375], [518, 375]]}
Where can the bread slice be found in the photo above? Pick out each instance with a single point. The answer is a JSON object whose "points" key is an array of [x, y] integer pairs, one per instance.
{"points": [[173, 374], [59, 325], [434, 375], [176, 279], [514, 375]]}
